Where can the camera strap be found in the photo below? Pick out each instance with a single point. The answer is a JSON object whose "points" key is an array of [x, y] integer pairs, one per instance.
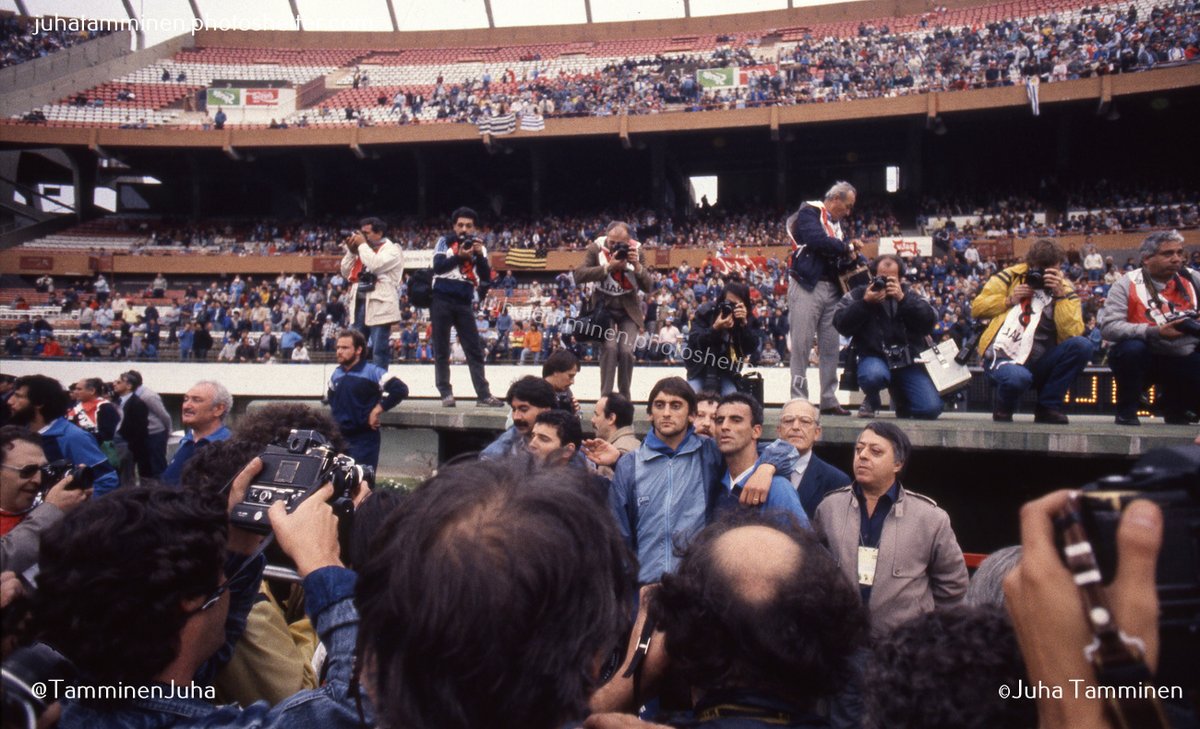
{"points": [[1118, 658]]}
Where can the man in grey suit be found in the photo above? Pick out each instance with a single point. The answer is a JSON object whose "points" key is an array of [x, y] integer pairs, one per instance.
{"points": [[613, 261], [812, 477]]}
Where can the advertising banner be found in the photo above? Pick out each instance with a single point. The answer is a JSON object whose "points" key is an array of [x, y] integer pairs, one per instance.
{"points": [[261, 97], [917, 245], [745, 71], [716, 78], [224, 97]]}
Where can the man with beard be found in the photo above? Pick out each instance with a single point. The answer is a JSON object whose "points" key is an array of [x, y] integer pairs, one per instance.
{"points": [[40, 404], [555, 438], [359, 393]]}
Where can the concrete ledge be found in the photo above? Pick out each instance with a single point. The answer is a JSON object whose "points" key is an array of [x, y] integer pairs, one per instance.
{"points": [[1086, 436]]}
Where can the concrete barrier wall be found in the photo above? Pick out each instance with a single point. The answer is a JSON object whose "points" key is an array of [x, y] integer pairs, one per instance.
{"points": [[309, 381]]}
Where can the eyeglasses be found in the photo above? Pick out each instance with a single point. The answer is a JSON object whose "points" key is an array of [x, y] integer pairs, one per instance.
{"points": [[25, 471], [792, 421]]}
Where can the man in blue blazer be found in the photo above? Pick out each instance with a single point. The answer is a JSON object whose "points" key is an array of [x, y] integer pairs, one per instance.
{"points": [[800, 425]]}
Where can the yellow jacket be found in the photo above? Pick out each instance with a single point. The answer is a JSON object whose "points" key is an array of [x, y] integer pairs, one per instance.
{"points": [[990, 304]]}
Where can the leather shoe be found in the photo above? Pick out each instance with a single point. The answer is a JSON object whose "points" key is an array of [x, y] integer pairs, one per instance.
{"points": [[1050, 416], [1131, 420], [489, 402], [835, 410], [448, 401], [1001, 416]]}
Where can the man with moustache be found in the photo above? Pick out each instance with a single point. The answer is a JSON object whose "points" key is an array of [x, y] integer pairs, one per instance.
{"points": [[706, 412], [528, 398], [555, 438]]}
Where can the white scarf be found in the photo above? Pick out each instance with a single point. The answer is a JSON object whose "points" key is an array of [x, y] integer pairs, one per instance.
{"points": [[610, 286], [1015, 341]]}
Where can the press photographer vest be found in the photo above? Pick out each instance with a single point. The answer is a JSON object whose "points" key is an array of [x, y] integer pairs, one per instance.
{"points": [[1179, 294]]}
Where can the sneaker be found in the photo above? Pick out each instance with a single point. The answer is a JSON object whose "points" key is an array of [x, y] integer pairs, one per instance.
{"points": [[448, 401], [489, 402], [865, 410]]}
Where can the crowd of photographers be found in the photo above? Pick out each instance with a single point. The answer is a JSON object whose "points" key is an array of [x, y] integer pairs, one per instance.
{"points": [[691, 578]]}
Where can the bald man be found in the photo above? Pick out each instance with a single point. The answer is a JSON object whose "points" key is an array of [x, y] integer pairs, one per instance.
{"points": [[800, 425], [759, 608]]}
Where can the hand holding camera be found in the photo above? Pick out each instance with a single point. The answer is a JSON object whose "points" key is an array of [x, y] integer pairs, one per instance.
{"points": [[877, 290], [468, 247], [726, 313], [309, 534], [1019, 292], [71, 490], [353, 241]]}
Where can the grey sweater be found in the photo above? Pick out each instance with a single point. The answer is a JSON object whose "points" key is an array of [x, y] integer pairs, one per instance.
{"points": [[1115, 327]]}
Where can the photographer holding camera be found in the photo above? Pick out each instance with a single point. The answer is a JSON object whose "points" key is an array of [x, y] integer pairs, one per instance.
{"points": [[374, 266], [887, 326], [723, 335], [460, 268], [23, 476], [1034, 336], [614, 262], [1150, 315]]}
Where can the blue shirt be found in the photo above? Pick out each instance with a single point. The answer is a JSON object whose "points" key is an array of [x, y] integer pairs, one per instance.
{"points": [[62, 439], [780, 498], [289, 340], [188, 447]]}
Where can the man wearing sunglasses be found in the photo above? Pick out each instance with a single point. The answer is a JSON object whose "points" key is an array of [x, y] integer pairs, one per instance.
{"points": [[22, 517], [151, 588]]}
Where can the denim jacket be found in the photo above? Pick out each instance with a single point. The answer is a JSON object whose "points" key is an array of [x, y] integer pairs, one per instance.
{"points": [[329, 603]]}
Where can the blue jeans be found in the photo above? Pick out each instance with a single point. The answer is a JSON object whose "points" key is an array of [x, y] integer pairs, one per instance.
{"points": [[1052, 375], [377, 336], [913, 392], [726, 385], [1178, 378], [364, 448]]}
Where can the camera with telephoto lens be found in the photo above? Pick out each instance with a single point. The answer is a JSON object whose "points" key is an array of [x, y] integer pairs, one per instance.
{"points": [[725, 308], [1170, 477], [620, 251], [1036, 279], [366, 282], [879, 283], [1187, 321], [292, 472], [82, 477]]}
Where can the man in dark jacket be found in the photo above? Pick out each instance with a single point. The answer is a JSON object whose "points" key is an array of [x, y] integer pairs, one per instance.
{"points": [[133, 434], [800, 425], [820, 252], [888, 325], [723, 335]]}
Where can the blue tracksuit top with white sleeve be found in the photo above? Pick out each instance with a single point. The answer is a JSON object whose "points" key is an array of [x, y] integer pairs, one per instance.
{"points": [[354, 393]]}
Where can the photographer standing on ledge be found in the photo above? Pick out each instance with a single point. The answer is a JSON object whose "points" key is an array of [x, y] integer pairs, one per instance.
{"points": [[1150, 314], [1034, 336], [820, 252], [887, 326], [614, 261], [723, 335], [374, 266], [460, 266]]}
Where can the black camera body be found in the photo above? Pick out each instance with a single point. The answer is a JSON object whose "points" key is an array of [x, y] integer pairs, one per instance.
{"points": [[1170, 477], [366, 282], [619, 251], [897, 356], [879, 283], [1036, 279], [1187, 321], [725, 308], [82, 476], [292, 472]]}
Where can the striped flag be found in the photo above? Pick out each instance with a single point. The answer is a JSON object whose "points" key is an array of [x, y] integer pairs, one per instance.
{"points": [[1031, 90], [502, 124], [527, 258], [532, 122]]}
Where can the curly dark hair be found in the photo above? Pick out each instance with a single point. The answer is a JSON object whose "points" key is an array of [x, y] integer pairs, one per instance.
{"points": [[490, 594], [272, 424], [215, 465], [792, 640], [941, 671], [114, 575]]}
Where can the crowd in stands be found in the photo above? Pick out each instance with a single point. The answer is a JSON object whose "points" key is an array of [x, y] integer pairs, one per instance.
{"points": [[21, 40]]}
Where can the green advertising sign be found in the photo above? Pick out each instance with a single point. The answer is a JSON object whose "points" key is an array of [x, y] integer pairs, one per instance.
{"points": [[224, 97], [716, 78]]}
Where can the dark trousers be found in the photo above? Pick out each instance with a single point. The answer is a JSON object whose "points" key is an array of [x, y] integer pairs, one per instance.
{"points": [[364, 448], [157, 443], [1052, 375], [1135, 367], [444, 314]]}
